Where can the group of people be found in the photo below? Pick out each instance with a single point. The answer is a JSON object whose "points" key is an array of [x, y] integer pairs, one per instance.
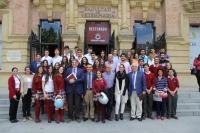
{"points": [[132, 76]]}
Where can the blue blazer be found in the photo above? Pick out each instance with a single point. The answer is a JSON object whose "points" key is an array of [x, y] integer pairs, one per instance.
{"points": [[140, 83], [78, 82], [33, 66]]}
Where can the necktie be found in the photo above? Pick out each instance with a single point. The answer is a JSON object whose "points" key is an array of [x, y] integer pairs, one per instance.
{"points": [[74, 71], [89, 81], [133, 80]]}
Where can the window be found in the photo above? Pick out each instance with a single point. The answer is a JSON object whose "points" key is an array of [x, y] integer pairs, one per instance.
{"points": [[144, 36], [49, 32]]}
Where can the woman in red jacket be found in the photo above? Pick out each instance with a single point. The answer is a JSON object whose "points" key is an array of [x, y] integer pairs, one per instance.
{"points": [[59, 90], [14, 84], [197, 66], [38, 93], [98, 85]]}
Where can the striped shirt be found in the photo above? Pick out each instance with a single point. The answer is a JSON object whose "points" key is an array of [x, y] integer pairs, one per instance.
{"points": [[161, 84]]}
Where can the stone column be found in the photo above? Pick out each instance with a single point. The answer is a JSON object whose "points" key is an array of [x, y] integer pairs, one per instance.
{"points": [[125, 37], [70, 37]]}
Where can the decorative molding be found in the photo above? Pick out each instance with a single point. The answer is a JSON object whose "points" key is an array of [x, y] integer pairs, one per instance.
{"points": [[98, 2], [49, 5], [145, 5], [3, 3], [191, 5]]}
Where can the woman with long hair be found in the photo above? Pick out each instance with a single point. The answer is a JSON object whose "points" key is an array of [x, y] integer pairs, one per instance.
{"points": [[168, 67], [97, 67], [48, 90], [55, 68], [44, 66], [38, 93], [197, 66], [160, 89], [103, 55], [98, 85], [59, 91], [26, 93], [102, 63], [136, 59], [14, 84], [84, 63], [65, 63], [121, 92], [70, 60]]}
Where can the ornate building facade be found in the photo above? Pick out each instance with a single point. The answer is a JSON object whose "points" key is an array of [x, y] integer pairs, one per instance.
{"points": [[78, 21]]}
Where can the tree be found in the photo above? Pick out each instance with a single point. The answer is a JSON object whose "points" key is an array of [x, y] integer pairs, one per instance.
{"points": [[49, 36]]}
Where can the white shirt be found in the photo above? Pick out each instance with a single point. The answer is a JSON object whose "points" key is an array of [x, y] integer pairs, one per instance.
{"points": [[68, 56], [17, 82], [57, 59], [48, 58], [75, 55], [29, 82], [150, 62], [88, 56], [49, 86], [79, 59]]}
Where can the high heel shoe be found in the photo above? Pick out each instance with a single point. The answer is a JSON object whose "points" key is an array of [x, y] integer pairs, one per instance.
{"points": [[121, 117], [116, 117]]}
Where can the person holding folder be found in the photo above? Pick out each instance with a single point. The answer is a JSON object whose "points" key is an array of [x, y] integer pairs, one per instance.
{"points": [[74, 89]]}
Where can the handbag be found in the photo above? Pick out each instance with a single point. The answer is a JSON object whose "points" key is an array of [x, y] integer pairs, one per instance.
{"points": [[157, 98], [193, 71]]}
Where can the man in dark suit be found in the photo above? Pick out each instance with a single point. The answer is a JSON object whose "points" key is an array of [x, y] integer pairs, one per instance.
{"points": [[137, 87], [89, 77], [74, 90], [140, 67], [36, 63]]}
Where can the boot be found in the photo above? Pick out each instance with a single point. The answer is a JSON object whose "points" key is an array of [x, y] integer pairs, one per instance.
{"points": [[56, 114], [61, 115], [121, 116], [116, 117]]}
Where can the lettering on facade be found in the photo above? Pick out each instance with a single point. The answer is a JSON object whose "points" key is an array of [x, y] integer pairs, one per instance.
{"points": [[14, 56], [97, 12]]}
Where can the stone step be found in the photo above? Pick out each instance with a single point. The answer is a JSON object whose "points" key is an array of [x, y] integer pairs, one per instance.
{"points": [[187, 100], [179, 113], [188, 106], [189, 95]]}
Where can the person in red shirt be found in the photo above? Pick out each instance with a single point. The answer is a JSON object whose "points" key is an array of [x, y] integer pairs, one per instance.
{"points": [[98, 85], [148, 100], [38, 93], [59, 91], [154, 68], [197, 66], [173, 86], [14, 84]]}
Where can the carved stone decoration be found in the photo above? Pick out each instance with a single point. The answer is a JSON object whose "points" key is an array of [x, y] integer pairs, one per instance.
{"points": [[191, 5], [3, 3], [98, 2], [49, 5], [145, 5]]}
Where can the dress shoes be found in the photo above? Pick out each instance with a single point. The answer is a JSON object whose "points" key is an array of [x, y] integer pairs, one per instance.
{"points": [[85, 119], [139, 119], [131, 119]]}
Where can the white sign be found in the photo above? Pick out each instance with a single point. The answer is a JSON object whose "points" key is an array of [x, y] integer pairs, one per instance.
{"points": [[14, 56], [0, 46], [194, 44]]}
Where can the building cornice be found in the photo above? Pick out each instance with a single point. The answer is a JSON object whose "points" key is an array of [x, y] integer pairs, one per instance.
{"points": [[145, 5], [3, 3], [191, 5]]}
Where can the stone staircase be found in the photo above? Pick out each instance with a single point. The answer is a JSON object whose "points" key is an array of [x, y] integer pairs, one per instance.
{"points": [[188, 105]]}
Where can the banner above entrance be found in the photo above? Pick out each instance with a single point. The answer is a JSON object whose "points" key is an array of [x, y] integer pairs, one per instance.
{"points": [[97, 12], [97, 33]]}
